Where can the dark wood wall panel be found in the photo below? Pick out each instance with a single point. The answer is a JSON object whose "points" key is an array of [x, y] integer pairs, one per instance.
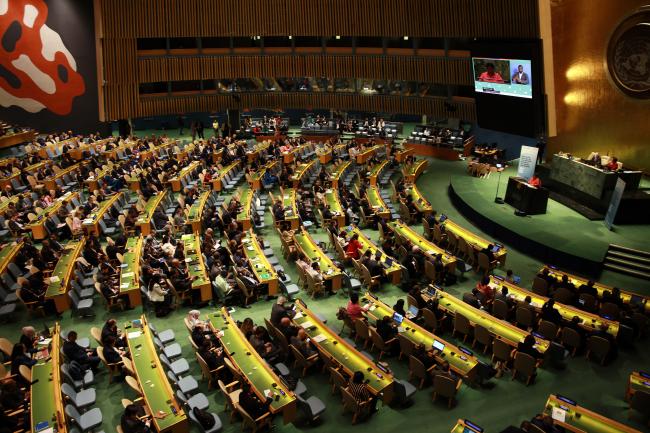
{"points": [[437, 18], [431, 70], [201, 103]]}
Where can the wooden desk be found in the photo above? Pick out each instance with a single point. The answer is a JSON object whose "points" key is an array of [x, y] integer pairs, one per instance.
{"points": [[474, 240], [301, 171], [50, 182], [364, 156], [421, 204], [156, 389], [246, 202], [217, 183], [256, 177], [310, 249], [394, 271], [38, 225], [45, 392], [14, 139], [578, 419], [195, 214], [412, 171], [466, 426], [337, 173], [144, 219], [91, 223], [429, 249], [637, 381], [59, 281], [401, 155], [177, 181], [462, 364], [196, 266], [626, 296], [8, 253], [376, 171], [334, 203], [589, 321], [329, 343], [255, 370], [264, 272], [377, 203], [130, 271], [290, 207], [500, 329]]}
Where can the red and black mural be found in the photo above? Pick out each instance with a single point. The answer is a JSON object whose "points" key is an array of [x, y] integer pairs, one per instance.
{"points": [[47, 64]]}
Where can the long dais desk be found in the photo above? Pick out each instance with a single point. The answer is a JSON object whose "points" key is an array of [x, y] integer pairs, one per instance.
{"points": [[329, 343], [310, 249], [91, 223], [588, 321], [290, 206], [421, 204], [246, 202], [501, 329], [466, 426], [45, 392], [331, 198], [59, 281], [255, 370], [50, 182], [257, 176], [376, 171], [130, 271], [461, 363], [394, 271], [301, 171], [38, 225], [217, 182], [638, 381], [195, 265], [337, 173], [185, 173], [429, 249], [364, 156], [8, 253], [626, 296], [263, 270], [144, 219], [377, 203], [156, 389], [567, 414], [195, 214], [412, 171], [474, 240]]}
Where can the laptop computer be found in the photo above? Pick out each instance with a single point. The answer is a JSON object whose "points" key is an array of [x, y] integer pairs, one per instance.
{"points": [[442, 218], [438, 345], [388, 262], [398, 318], [412, 312]]}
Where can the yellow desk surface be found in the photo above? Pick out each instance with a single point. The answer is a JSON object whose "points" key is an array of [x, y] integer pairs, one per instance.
{"points": [[351, 360], [499, 328], [462, 364], [465, 426], [57, 289], [251, 365], [589, 321], [474, 240], [334, 204], [429, 249], [185, 172], [413, 171], [38, 225], [130, 271], [310, 249], [364, 156], [577, 281], [581, 420], [156, 389], [195, 214], [144, 219], [8, 253], [45, 392], [338, 172], [91, 223], [244, 215], [300, 171], [196, 266], [375, 172], [264, 272], [376, 202], [394, 272], [290, 207], [637, 381]]}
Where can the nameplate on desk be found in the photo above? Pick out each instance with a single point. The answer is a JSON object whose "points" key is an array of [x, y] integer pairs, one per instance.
{"points": [[134, 334], [307, 324]]}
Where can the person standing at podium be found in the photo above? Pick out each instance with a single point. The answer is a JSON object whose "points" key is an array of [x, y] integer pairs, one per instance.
{"points": [[535, 181]]}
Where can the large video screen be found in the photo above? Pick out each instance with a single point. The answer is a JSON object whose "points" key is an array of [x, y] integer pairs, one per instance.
{"points": [[503, 77]]}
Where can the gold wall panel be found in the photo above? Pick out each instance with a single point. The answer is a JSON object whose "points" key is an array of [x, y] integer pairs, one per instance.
{"points": [[592, 113]]}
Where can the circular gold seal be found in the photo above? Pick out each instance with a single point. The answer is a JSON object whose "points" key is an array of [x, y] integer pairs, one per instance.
{"points": [[628, 54]]}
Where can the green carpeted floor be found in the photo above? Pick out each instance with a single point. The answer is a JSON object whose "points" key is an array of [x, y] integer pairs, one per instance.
{"points": [[501, 403]]}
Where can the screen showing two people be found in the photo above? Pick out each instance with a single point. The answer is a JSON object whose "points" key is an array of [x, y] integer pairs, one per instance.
{"points": [[502, 77]]}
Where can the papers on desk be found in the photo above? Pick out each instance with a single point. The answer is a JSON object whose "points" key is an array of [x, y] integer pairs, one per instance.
{"points": [[558, 414], [127, 274], [134, 334], [319, 338], [400, 329], [298, 315], [54, 279], [186, 237], [431, 252], [307, 324], [250, 248], [125, 285], [88, 221]]}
